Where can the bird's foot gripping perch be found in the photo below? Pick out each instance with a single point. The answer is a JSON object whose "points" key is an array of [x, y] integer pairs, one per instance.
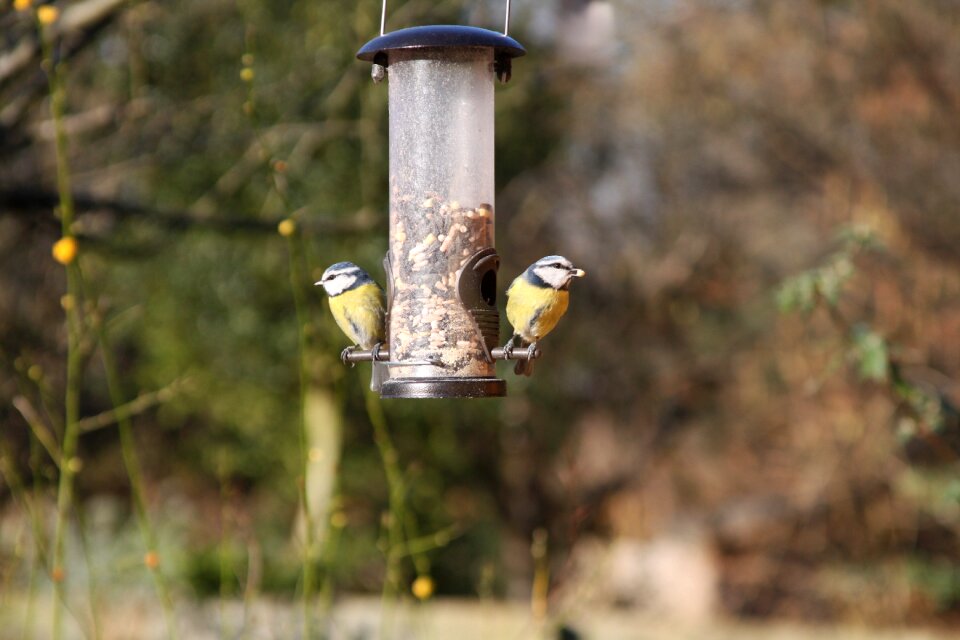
{"points": [[523, 356], [352, 355], [346, 356], [533, 351]]}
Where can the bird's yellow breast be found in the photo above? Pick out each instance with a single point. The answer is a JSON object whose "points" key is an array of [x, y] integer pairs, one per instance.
{"points": [[359, 313], [534, 311]]}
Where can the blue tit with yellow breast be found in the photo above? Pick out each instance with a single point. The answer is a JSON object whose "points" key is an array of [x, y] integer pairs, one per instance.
{"points": [[358, 307], [536, 301]]}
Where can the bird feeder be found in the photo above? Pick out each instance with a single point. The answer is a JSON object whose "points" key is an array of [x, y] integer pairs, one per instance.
{"points": [[441, 265]]}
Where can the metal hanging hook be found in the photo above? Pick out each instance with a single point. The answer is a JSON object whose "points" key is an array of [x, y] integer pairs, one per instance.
{"points": [[383, 18]]}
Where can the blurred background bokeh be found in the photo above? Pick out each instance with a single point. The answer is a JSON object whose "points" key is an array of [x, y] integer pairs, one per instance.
{"points": [[752, 409]]}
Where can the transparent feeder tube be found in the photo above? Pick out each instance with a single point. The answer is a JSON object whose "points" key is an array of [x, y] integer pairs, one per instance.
{"points": [[441, 206]]}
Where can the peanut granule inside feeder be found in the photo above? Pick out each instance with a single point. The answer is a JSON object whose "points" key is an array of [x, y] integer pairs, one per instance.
{"points": [[432, 240]]}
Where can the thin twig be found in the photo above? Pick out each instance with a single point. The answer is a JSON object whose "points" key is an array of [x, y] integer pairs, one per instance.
{"points": [[121, 414], [397, 493], [25, 201], [39, 429], [296, 280], [71, 434], [135, 407]]}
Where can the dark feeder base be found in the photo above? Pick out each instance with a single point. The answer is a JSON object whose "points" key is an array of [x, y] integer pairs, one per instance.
{"points": [[444, 388]]}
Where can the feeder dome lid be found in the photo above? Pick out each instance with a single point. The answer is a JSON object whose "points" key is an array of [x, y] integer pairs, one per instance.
{"points": [[441, 37]]}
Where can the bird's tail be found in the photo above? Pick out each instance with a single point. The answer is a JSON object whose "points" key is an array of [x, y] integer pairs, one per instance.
{"points": [[522, 367], [378, 376]]}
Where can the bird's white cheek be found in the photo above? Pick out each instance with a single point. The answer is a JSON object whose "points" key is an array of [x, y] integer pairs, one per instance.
{"points": [[338, 285], [552, 276]]}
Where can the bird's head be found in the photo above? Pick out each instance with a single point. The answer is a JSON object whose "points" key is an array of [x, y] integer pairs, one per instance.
{"points": [[341, 277], [553, 271]]}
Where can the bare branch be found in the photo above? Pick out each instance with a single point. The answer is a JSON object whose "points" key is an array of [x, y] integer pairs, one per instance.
{"points": [[136, 406], [36, 424]]}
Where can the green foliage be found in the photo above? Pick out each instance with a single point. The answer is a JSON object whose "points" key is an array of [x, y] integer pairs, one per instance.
{"points": [[801, 292], [869, 349], [939, 579], [797, 293]]}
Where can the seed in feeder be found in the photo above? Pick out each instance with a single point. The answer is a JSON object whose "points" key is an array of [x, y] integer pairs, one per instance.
{"points": [[440, 285], [485, 210], [449, 239], [464, 344], [463, 228], [465, 252], [426, 204], [400, 236], [429, 240], [454, 204]]}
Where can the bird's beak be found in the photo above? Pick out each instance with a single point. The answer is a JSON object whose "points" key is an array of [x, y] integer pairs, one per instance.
{"points": [[318, 282], [577, 273]]}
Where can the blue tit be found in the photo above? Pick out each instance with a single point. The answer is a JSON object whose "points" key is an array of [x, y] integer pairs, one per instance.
{"points": [[358, 306], [536, 301]]}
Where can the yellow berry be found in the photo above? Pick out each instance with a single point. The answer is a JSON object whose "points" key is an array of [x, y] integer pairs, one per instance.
{"points": [[68, 302], [22, 5], [422, 587], [75, 465], [65, 250], [287, 227], [338, 520], [246, 74], [151, 559], [47, 14]]}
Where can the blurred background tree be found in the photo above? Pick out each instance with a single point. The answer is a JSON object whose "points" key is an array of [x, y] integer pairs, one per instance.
{"points": [[703, 161]]}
